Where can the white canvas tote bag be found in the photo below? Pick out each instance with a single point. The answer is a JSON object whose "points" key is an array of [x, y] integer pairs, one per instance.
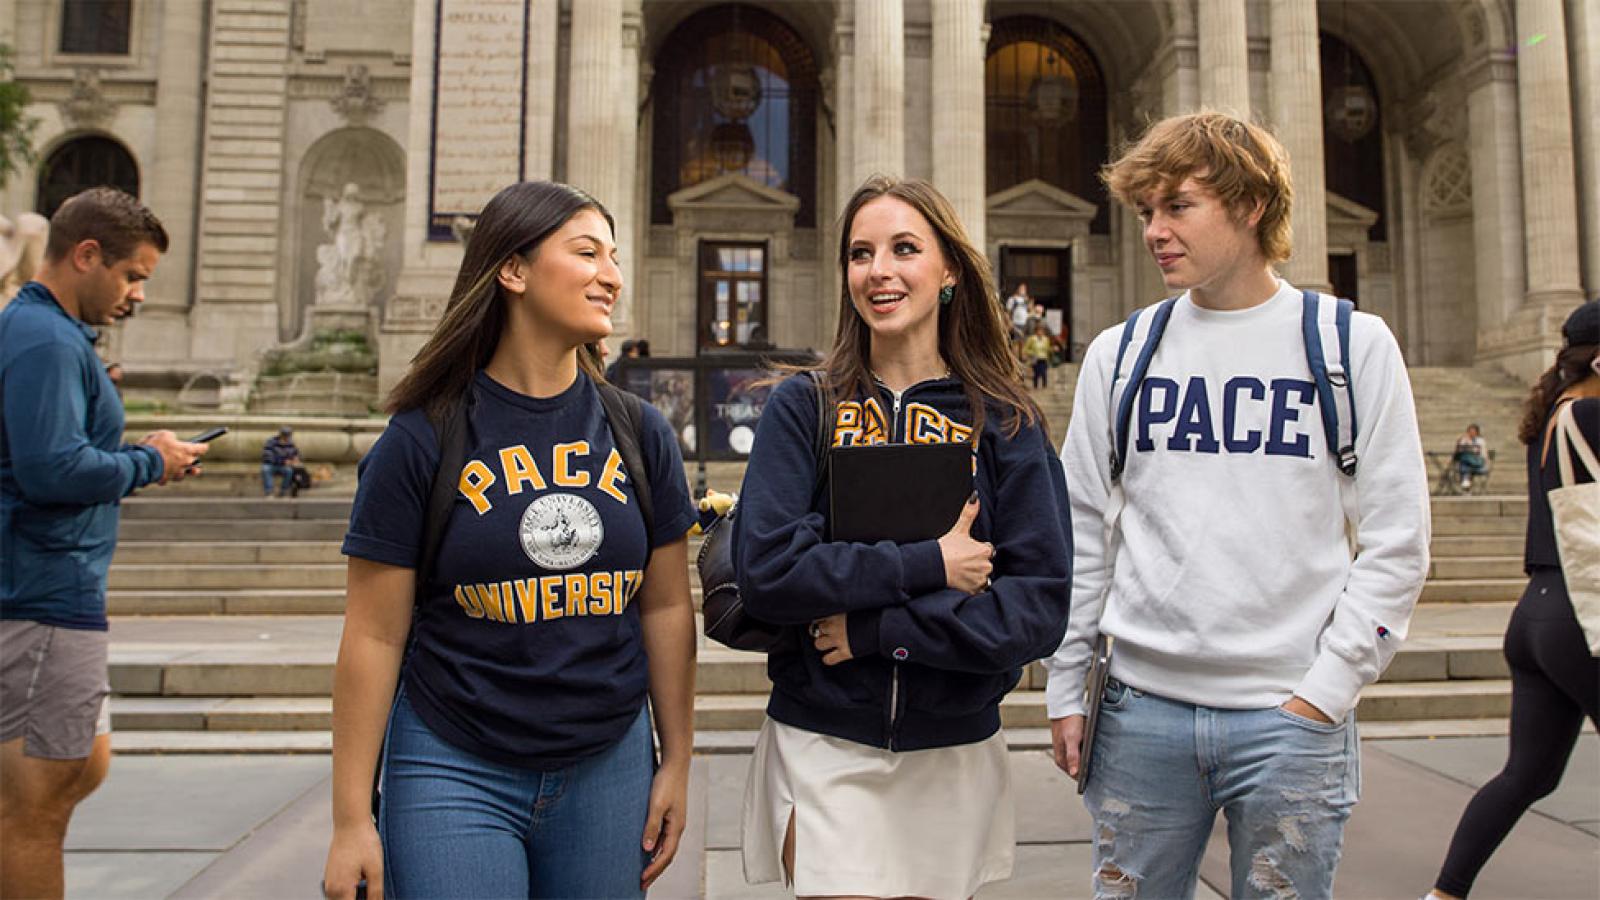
{"points": [[1575, 508]]}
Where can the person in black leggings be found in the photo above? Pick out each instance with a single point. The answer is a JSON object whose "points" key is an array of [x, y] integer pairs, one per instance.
{"points": [[1555, 683]]}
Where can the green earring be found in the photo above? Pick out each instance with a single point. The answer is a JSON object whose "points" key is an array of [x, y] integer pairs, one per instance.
{"points": [[947, 293]]}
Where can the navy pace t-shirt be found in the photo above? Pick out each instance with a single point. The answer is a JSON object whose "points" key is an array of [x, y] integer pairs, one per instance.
{"points": [[527, 648]]}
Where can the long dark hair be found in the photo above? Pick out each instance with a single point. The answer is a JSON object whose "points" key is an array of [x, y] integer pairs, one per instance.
{"points": [[514, 223], [972, 338], [1571, 367]]}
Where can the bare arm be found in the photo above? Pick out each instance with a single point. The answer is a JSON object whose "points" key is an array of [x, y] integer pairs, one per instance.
{"points": [[666, 619], [376, 624]]}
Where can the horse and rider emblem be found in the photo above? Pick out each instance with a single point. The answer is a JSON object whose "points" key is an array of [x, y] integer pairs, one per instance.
{"points": [[561, 531]]}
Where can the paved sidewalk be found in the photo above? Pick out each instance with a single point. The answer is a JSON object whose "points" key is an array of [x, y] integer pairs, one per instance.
{"points": [[257, 826]]}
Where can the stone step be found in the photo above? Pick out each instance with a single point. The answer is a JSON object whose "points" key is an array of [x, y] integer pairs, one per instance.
{"points": [[1396, 702], [220, 601], [132, 743], [1488, 505], [181, 553], [1477, 545], [1472, 590], [217, 675], [222, 713], [1471, 525], [227, 576], [253, 508], [1458, 567], [245, 529]]}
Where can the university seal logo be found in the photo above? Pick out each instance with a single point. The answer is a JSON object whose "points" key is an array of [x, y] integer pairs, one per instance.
{"points": [[561, 531]]}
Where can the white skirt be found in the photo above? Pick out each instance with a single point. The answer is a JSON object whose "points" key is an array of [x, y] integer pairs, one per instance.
{"points": [[878, 823]]}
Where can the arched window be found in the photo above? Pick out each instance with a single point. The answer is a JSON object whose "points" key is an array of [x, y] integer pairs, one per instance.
{"points": [[96, 26], [1352, 130], [83, 163], [1045, 108], [735, 91]]}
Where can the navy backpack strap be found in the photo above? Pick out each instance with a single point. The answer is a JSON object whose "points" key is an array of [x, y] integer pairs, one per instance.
{"points": [[625, 414], [1141, 334], [1325, 322]]}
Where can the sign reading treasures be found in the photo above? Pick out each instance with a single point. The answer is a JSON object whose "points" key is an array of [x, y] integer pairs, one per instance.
{"points": [[479, 85]]}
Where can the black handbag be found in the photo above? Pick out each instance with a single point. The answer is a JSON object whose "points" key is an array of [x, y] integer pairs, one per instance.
{"points": [[721, 606]]}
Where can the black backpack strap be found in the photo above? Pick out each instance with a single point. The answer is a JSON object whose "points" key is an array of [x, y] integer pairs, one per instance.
{"points": [[451, 430], [824, 432], [625, 414]]}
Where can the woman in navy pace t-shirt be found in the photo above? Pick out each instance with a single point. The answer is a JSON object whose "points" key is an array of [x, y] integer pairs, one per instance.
{"points": [[517, 754]]}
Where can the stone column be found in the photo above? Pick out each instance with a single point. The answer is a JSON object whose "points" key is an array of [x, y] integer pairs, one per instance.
{"points": [[544, 26], [1584, 17], [1224, 56], [600, 122], [844, 116], [1549, 188], [958, 132], [236, 307], [1296, 96], [594, 149], [1494, 150], [626, 202], [880, 89], [174, 172]]}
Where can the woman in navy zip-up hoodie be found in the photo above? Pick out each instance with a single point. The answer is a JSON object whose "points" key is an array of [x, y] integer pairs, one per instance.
{"points": [[881, 770]]}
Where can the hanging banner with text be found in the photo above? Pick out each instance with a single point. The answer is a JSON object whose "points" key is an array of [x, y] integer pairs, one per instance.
{"points": [[480, 76]]}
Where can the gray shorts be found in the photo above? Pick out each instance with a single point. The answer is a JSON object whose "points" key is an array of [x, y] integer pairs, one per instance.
{"points": [[53, 688]]}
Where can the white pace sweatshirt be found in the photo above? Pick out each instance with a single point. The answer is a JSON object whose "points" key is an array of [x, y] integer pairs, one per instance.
{"points": [[1233, 583]]}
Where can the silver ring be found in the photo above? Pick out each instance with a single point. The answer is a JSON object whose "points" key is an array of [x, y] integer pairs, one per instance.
{"points": [[816, 629], [988, 583]]}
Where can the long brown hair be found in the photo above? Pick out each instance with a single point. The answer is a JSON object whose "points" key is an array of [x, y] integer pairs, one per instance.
{"points": [[974, 341], [515, 222], [1571, 367]]}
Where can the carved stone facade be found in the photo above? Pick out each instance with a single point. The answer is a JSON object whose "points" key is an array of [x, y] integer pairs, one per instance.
{"points": [[298, 98]]}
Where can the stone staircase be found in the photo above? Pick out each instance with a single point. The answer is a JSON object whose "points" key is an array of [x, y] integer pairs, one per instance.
{"points": [[226, 611]]}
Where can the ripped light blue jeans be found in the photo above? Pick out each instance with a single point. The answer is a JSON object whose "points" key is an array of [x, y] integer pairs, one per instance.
{"points": [[1162, 769]]}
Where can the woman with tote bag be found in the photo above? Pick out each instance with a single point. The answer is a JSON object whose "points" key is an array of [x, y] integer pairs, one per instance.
{"points": [[1555, 630]]}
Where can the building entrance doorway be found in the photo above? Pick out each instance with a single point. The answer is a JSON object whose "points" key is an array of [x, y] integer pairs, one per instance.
{"points": [[1048, 274]]}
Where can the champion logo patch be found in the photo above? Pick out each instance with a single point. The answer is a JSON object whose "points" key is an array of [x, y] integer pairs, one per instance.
{"points": [[1383, 633]]}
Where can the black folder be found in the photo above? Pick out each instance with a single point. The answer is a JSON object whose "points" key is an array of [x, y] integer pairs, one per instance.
{"points": [[897, 492]]}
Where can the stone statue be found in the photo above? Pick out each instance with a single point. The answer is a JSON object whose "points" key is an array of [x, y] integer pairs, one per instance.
{"points": [[21, 251], [350, 266]]}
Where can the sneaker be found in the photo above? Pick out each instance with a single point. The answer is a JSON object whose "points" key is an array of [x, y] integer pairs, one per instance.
{"points": [[1466, 484]]}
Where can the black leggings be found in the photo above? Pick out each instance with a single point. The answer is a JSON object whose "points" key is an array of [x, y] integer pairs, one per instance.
{"points": [[1555, 683]]}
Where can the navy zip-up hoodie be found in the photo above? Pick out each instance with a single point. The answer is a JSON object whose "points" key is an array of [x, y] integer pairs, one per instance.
{"points": [[63, 466], [931, 663]]}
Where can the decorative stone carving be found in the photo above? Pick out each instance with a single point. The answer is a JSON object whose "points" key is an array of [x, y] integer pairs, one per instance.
{"points": [[1447, 181], [21, 251], [356, 100], [350, 266], [1439, 117], [87, 106]]}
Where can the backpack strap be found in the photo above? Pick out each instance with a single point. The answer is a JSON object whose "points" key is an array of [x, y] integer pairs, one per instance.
{"points": [[1141, 334], [824, 431], [451, 430], [1326, 323], [625, 414]]}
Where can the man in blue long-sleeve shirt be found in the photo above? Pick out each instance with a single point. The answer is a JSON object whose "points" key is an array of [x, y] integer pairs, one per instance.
{"points": [[63, 471]]}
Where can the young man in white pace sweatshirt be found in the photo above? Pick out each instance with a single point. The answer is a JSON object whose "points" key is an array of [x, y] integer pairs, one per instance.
{"points": [[1244, 626]]}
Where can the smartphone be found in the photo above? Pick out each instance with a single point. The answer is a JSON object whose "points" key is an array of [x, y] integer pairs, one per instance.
{"points": [[210, 434]]}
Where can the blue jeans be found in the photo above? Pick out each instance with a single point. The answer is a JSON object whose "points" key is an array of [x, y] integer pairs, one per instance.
{"points": [[284, 475], [456, 825], [1161, 769]]}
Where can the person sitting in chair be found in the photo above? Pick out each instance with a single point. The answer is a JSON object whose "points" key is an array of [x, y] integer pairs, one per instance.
{"points": [[1471, 457]]}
